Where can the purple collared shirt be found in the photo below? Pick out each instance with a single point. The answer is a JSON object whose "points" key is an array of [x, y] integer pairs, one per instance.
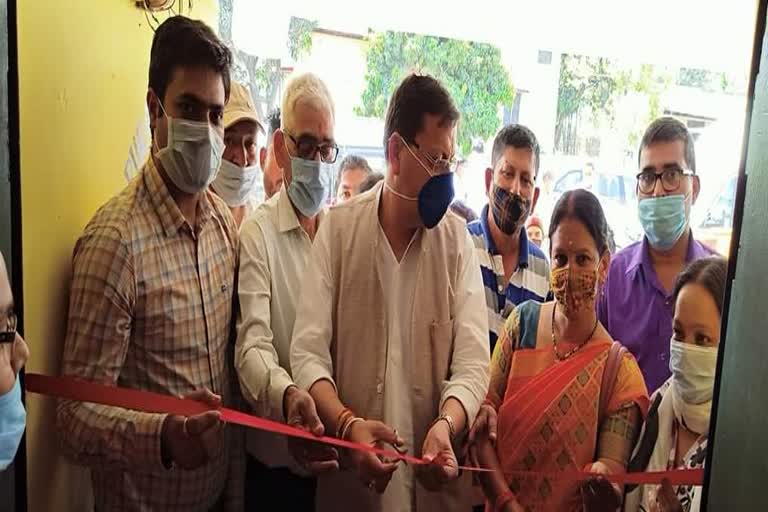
{"points": [[638, 312]]}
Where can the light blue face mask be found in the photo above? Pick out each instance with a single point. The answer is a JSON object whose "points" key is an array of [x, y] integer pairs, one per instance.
{"points": [[311, 182], [664, 220], [13, 420]]}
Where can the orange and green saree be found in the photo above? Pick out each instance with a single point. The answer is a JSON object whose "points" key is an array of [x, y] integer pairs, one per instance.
{"points": [[548, 413]]}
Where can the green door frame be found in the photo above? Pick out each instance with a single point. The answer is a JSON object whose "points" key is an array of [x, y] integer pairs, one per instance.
{"points": [[737, 465]]}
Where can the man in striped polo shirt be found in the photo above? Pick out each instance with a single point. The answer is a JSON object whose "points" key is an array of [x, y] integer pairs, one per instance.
{"points": [[514, 270]]}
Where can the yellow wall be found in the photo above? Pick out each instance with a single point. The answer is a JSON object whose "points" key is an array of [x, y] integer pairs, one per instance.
{"points": [[82, 83]]}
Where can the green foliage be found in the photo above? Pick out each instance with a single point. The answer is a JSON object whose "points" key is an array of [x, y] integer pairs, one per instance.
{"points": [[300, 36], [472, 72], [593, 84]]}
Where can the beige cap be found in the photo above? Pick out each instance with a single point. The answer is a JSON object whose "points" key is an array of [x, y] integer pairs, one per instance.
{"points": [[240, 107]]}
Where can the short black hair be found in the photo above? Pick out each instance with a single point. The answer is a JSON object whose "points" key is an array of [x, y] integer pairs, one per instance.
{"points": [[516, 136], [370, 182], [582, 205], [416, 96], [353, 162], [669, 129], [710, 272], [183, 42], [273, 123]]}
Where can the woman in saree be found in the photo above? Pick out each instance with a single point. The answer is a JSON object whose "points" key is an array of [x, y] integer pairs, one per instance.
{"points": [[541, 416], [675, 432]]}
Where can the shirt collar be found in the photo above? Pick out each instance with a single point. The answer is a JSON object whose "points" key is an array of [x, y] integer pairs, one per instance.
{"points": [[524, 257], [287, 220], [641, 256], [167, 210], [695, 250]]}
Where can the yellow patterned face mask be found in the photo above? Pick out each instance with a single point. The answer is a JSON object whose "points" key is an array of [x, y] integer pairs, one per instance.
{"points": [[574, 290]]}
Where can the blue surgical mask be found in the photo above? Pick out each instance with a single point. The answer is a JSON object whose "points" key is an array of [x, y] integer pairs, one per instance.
{"points": [[434, 197], [311, 182], [12, 423], [664, 220]]}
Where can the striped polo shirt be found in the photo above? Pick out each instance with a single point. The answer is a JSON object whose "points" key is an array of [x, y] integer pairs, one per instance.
{"points": [[530, 281]]}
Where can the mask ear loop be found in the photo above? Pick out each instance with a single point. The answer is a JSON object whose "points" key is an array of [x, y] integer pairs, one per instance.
{"points": [[165, 114]]}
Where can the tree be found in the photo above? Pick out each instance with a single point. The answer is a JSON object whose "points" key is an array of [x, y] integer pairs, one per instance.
{"points": [[472, 72], [263, 76], [592, 85]]}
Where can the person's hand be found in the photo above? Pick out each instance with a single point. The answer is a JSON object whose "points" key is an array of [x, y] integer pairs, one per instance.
{"points": [[438, 451], [374, 472], [598, 494], [484, 425], [300, 412], [481, 451], [13, 357], [666, 499], [190, 442]]}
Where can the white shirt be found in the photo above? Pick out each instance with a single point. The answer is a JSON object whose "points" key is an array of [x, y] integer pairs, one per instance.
{"points": [[399, 282], [273, 256], [311, 357]]}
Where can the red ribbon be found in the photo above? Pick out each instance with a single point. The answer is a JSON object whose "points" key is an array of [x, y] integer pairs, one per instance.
{"points": [[84, 391]]}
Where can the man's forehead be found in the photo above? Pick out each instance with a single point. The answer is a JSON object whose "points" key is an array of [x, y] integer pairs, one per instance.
{"points": [[199, 84], [520, 159], [661, 154]]}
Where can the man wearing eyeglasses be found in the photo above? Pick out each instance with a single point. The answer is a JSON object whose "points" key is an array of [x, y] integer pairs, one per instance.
{"points": [[391, 331], [275, 244], [13, 355], [636, 305]]}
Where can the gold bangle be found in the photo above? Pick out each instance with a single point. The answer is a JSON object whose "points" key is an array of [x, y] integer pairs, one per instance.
{"points": [[342, 420], [348, 426]]}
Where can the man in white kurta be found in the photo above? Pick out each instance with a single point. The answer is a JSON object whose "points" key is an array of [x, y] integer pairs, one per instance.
{"points": [[390, 332]]}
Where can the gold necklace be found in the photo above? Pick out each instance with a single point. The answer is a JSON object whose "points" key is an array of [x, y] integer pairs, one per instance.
{"points": [[563, 357]]}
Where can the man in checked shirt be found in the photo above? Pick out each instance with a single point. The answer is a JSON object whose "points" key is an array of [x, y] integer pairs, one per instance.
{"points": [[151, 299]]}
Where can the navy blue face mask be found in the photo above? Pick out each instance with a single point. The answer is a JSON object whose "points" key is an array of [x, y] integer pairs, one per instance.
{"points": [[434, 197]]}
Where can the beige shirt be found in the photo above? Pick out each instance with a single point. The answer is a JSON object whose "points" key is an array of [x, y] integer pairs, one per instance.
{"points": [[273, 255], [315, 341], [150, 308]]}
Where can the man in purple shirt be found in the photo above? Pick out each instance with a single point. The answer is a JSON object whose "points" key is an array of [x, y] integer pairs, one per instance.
{"points": [[636, 305]]}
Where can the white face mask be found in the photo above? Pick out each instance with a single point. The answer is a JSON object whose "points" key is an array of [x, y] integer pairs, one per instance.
{"points": [[693, 370], [236, 185], [192, 155], [693, 381]]}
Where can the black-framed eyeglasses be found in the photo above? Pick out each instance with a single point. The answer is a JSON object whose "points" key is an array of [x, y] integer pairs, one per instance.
{"points": [[670, 179], [307, 147], [8, 334]]}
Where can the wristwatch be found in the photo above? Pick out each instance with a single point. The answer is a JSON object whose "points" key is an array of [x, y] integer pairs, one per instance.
{"points": [[451, 425]]}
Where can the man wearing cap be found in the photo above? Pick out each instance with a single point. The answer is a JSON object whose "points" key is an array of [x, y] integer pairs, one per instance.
{"points": [[275, 245], [239, 182]]}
